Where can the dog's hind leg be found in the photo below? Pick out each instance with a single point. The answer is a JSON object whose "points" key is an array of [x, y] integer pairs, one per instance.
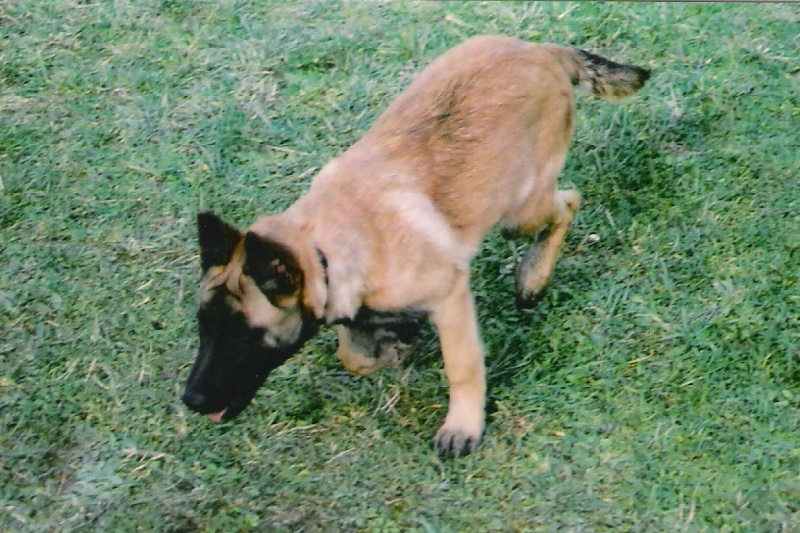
{"points": [[536, 268]]}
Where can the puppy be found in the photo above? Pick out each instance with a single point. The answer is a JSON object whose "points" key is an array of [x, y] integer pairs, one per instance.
{"points": [[383, 239]]}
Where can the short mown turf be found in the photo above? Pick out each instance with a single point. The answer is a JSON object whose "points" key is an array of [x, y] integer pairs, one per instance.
{"points": [[655, 388]]}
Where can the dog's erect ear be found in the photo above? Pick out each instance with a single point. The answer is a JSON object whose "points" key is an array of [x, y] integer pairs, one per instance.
{"points": [[217, 240], [273, 267]]}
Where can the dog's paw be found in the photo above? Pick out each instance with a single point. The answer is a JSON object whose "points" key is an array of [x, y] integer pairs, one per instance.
{"points": [[390, 356], [529, 299], [363, 365], [456, 441], [531, 287], [358, 364]]}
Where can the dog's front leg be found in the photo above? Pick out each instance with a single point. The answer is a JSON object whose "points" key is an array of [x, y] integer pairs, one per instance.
{"points": [[462, 350], [362, 353]]}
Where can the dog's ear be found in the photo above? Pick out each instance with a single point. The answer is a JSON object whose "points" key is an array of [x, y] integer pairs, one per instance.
{"points": [[273, 267], [217, 240]]}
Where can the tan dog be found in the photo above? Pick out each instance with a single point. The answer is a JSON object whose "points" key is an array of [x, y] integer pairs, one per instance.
{"points": [[385, 235]]}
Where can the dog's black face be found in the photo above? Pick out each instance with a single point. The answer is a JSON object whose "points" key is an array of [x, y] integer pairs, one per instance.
{"points": [[249, 320], [234, 360]]}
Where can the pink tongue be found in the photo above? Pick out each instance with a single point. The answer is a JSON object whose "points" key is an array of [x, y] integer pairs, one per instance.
{"points": [[217, 417]]}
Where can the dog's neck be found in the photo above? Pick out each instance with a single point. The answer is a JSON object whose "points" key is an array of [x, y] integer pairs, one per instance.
{"points": [[342, 288], [326, 318]]}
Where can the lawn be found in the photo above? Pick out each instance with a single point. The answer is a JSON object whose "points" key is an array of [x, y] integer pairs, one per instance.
{"points": [[655, 388]]}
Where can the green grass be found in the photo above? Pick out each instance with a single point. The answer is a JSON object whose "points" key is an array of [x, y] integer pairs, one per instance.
{"points": [[656, 388]]}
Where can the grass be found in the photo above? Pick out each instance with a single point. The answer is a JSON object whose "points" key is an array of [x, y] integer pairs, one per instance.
{"points": [[656, 388]]}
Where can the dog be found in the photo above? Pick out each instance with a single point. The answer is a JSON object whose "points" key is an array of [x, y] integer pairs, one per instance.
{"points": [[383, 239]]}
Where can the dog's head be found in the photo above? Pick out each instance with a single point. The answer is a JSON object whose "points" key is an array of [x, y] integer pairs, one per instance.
{"points": [[261, 296]]}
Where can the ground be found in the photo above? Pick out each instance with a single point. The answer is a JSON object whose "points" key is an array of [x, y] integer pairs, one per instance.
{"points": [[655, 388]]}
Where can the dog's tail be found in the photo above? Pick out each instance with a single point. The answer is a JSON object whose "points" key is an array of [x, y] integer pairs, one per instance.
{"points": [[603, 77]]}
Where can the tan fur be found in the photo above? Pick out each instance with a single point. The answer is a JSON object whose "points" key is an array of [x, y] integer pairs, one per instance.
{"points": [[476, 141], [281, 321]]}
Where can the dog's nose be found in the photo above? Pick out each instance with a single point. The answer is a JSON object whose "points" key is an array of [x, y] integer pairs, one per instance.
{"points": [[194, 400]]}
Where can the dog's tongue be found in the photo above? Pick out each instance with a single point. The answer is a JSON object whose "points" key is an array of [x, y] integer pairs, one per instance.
{"points": [[217, 417]]}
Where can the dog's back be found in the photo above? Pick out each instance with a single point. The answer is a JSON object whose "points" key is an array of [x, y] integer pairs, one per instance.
{"points": [[487, 120], [478, 139]]}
